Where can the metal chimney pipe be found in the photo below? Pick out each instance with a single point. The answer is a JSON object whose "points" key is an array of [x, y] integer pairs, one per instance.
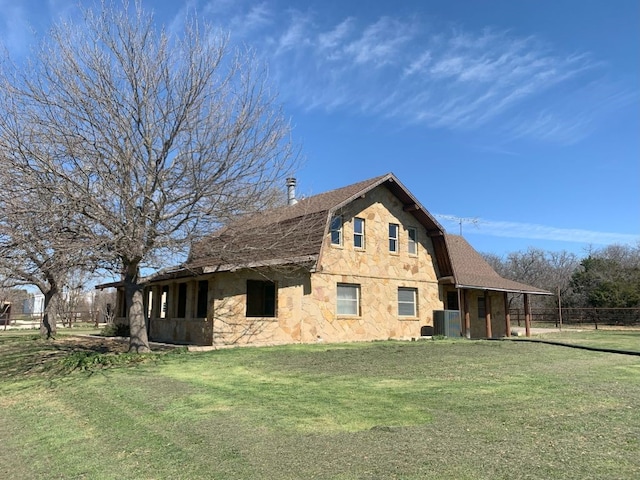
{"points": [[291, 191]]}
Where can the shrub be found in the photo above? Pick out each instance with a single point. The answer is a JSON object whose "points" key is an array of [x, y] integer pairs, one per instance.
{"points": [[116, 330]]}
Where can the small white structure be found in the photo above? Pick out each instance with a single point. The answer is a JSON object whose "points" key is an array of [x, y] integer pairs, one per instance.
{"points": [[34, 305]]}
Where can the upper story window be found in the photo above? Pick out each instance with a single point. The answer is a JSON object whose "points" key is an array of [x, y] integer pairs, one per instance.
{"points": [[394, 228], [412, 246], [358, 232], [336, 230]]}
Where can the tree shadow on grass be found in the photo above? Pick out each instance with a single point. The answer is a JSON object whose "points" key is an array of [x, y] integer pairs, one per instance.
{"points": [[23, 357]]}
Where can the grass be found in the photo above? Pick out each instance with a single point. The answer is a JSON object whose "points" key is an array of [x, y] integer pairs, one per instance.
{"points": [[611, 339], [430, 409]]}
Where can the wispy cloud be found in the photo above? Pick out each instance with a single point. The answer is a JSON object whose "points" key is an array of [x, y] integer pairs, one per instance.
{"points": [[416, 71], [534, 231]]}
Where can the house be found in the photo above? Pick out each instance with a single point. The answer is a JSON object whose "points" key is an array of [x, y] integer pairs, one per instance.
{"points": [[363, 262]]}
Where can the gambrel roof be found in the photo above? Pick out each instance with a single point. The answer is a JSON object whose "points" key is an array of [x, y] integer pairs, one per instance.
{"points": [[294, 234]]}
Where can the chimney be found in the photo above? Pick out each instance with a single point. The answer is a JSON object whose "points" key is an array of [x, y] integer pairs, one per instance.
{"points": [[291, 191]]}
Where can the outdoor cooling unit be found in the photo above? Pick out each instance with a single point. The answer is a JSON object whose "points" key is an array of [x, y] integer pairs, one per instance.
{"points": [[447, 323]]}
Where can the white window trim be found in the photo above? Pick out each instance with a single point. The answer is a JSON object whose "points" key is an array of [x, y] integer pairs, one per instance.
{"points": [[340, 231], [359, 234], [396, 239], [413, 303], [412, 242], [354, 287]]}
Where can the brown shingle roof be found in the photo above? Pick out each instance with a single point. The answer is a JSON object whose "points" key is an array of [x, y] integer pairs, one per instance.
{"points": [[293, 233], [470, 270]]}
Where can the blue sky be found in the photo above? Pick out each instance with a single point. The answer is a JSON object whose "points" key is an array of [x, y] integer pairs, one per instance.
{"points": [[521, 118]]}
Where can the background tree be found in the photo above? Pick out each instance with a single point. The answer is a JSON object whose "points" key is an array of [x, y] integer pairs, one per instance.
{"points": [[548, 270], [150, 138], [608, 278], [39, 243]]}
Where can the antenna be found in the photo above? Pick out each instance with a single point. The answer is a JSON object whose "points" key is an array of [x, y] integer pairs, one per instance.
{"points": [[460, 220]]}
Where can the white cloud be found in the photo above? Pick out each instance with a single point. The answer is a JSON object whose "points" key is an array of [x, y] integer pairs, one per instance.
{"points": [[430, 75], [533, 231]]}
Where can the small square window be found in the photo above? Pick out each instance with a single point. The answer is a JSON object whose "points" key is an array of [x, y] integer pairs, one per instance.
{"points": [[348, 299], [261, 298], [413, 241], [358, 233], [407, 302], [393, 237], [336, 230]]}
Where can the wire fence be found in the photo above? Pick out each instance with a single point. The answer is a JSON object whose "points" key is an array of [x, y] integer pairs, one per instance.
{"points": [[580, 317]]}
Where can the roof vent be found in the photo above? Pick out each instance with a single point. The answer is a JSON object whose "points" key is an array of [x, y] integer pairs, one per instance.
{"points": [[291, 191]]}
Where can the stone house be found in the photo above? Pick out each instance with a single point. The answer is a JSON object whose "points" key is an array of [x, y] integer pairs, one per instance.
{"points": [[363, 262]]}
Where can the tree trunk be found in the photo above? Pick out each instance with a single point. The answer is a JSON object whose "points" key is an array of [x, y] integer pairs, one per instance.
{"points": [[48, 324], [138, 340]]}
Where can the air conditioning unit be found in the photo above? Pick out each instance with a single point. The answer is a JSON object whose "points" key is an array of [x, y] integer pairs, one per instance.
{"points": [[447, 323]]}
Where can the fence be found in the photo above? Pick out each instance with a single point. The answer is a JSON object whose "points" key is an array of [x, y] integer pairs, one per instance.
{"points": [[621, 317]]}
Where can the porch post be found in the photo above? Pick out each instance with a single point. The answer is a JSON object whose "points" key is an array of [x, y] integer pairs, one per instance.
{"points": [[487, 314], [527, 315], [467, 314], [507, 315]]}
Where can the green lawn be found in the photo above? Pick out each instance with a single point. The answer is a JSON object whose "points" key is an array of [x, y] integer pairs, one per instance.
{"points": [[610, 339], [427, 409]]}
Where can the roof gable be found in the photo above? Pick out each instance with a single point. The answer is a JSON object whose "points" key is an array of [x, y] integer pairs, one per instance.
{"points": [[295, 233]]}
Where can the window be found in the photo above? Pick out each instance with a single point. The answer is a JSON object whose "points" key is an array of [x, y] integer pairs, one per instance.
{"points": [[164, 301], [393, 237], [261, 298], [482, 311], [407, 302], [182, 300], [203, 299], [336, 230], [358, 232], [413, 241], [348, 299]]}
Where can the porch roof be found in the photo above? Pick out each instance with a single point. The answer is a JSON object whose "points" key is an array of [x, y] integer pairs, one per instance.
{"points": [[472, 271]]}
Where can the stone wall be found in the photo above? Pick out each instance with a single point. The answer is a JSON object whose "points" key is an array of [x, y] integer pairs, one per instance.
{"points": [[306, 301]]}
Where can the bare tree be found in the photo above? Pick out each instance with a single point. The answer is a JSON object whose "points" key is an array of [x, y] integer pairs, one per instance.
{"points": [[149, 137], [37, 244]]}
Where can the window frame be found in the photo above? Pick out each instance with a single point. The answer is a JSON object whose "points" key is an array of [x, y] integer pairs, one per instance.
{"points": [[202, 300], [340, 301], [394, 241], [261, 299], [337, 231], [359, 234], [412, 242], [413, 302], [181, 300]]}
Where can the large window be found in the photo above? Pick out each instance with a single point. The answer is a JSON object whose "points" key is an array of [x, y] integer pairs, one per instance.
{"points": [[413, 241], [336, 230], [393, 237], [407, 302], [348, 299], [203, 299], [358, 232], [261, 298]]}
